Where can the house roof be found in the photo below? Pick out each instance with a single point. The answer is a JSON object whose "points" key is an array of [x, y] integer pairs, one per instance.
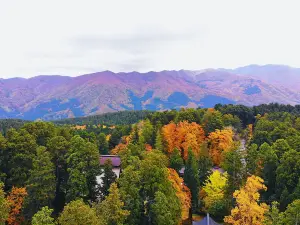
{"points": [[115, 160], [204, 222]]}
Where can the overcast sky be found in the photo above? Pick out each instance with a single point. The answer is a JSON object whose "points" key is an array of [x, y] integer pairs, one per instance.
{"points": [[72, 37]]}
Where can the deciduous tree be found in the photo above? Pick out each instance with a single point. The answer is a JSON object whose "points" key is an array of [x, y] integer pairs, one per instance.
{"points": [[248, 210]]}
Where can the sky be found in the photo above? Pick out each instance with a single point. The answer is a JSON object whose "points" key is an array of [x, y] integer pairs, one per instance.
{"points": [[74, 37]]}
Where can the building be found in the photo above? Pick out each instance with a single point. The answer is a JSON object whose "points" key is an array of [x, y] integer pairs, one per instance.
{"points": [[206, 221]]}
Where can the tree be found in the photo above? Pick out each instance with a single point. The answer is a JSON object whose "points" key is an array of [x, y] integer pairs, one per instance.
{"points": [[41, 183], [15, 200], [3, 166], [21, 147], [110, 211], [159, 141], [147, 134], [220, 141], [176, 162], [287, 177], [103, 144], [233, 165], [42, 131], [212, 121], [273, 216], [4, 206], [83, 167], [108, 178], [214, 188], [43, 217], [130, 184], [161, 210], [183, 136], [191, 177], [58, 147], [248, 210], [292, 213], [77, 212], [182, 192]]}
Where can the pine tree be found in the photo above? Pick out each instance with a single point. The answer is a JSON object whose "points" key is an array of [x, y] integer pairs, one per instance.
{"points": [[110, 211], [108, 178], [41, 183], [191, 177], [103, 144], [176, 162]]}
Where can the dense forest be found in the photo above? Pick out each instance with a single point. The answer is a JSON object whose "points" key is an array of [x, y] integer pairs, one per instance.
{"points": [[239, 164]]}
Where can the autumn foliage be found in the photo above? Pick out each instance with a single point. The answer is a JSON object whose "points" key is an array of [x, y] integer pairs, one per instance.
{"points": [[182, 136], [15, 200], [220, 141], [248, 210], [182, 192]]}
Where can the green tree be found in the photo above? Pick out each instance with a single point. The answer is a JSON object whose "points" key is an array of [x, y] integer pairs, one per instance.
{"points": [[159, 141], [130, 184], [58, 146], [43, 216], [111, 211], [108, 178], [41, 183], [77, 212], [83, 167], [176, 162], [103, 144], [287, 176], [166, 211], [4, 206], [146, 136], [42, 131], [212, 120], [21, 148], [191, 177], [273, 216], [3, 167], [232, 164], [292, 213]]}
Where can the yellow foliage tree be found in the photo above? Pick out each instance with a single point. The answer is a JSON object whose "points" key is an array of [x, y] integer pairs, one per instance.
{"points": [[220, 141], [248, 210], [183, 136], [214, 188]]}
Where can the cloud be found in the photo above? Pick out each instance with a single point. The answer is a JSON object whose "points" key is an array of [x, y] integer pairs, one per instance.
{"points": [[76, 37]]}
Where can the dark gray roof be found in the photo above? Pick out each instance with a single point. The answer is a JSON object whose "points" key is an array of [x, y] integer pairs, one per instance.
{"points": [[204, 222]]}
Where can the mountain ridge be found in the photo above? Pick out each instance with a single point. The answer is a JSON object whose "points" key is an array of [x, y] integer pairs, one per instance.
{"points": [[51, 97]]}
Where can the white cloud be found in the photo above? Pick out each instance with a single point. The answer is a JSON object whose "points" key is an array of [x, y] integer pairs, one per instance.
{"points": [[73, 37]]}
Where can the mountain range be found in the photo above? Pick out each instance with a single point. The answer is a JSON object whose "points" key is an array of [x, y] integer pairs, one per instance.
{"points": [[58, 97]]}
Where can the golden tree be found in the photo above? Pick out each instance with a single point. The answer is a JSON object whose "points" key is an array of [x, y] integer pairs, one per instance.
{"points": [[220, 142], [183, 136], [248, 210], [182, 192]]}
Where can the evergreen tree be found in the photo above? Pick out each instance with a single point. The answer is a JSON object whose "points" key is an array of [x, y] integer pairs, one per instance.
{"points": [[41, 183], [176, 162], [108, 178], [103, 144], [111, 211], [159, 141], [191, 177]]}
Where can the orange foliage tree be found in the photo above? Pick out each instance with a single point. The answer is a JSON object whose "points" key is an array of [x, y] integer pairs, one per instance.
{"points": [[182, 136], [182, 192], [220, 141], [248, 210], [15, 200]]}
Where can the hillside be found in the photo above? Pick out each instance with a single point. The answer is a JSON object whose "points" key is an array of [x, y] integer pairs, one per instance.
{"points": [[59, 97]]}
